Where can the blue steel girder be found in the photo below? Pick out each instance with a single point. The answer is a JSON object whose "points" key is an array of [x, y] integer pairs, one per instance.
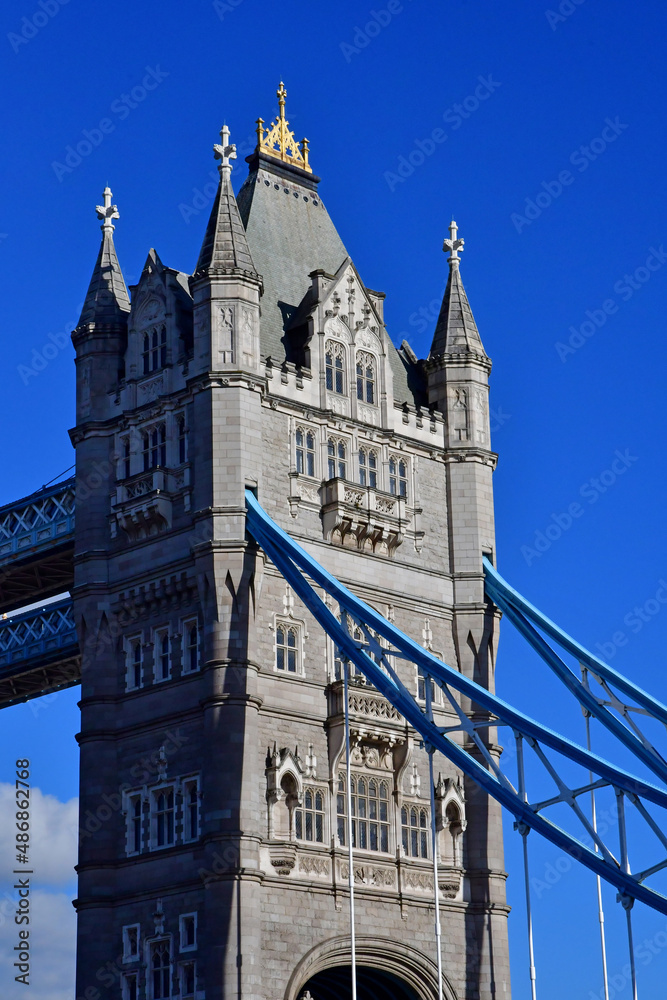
{"points": [[386, 643], [37, 546], [39, 653]]}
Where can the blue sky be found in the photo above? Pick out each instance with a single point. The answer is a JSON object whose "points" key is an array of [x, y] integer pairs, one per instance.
{"points": [[543, 131]]}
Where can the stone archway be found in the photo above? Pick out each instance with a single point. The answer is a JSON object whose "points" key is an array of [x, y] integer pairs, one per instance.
{"points": [[388, 969], [372, 984]]}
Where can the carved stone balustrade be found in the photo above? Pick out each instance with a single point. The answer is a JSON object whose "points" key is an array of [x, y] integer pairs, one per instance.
{"points": [[143, 504], [363, 518]]}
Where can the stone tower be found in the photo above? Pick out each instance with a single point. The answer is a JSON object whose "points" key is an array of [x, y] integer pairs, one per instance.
{"points": [[213, 861]]}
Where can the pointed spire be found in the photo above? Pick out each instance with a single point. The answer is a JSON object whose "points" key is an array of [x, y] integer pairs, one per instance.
{"points": [[107, 303], [225, 246], [456, 331]]}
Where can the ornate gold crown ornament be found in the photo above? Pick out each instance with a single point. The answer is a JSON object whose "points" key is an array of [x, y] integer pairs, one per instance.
{"points": [[279, 141]]}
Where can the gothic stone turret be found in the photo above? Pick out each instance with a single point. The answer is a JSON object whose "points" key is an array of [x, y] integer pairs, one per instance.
{"points": [[213, 860]]}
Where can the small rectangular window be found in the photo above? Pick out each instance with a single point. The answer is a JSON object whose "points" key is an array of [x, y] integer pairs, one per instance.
{"points": [[182, 441], [187, 923], [187, 975], [129, 984], [131, 935], [305, 452]]}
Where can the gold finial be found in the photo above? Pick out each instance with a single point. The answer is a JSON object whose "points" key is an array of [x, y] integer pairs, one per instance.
{"points": [[279, 140]]}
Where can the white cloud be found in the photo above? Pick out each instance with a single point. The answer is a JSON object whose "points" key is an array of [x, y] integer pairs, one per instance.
{"points": [[52, 947], [53, 835]]}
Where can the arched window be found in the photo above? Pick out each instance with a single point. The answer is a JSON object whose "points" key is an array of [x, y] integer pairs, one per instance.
{"points": [[337, 458], [453, 849], [305, 452], [134, 664], [370, 812], [154, 447], [191, 810], [191, 650], [335, 366], [365, 377], [126, 458], [368, 464], [414, 828], [309, 818], [154, 349], [163, 654], [398, 476], [287, 647], [160, 971], [164, 817], [135, 835], [182, 440]]}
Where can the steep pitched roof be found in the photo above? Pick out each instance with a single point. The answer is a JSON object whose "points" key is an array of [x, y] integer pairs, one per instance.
{"points": [[291, 234], [456, 331], [107, 302], [225, 245]]}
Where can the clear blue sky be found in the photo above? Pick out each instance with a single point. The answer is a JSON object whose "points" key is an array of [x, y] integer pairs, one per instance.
{"points": [[556, 179]]}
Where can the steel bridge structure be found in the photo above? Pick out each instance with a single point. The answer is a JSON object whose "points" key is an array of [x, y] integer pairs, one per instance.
{"points": [[39, 654]]}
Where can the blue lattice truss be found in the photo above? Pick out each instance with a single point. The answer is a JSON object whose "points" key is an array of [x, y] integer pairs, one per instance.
{"points": [[616, 705], [39, 652]]}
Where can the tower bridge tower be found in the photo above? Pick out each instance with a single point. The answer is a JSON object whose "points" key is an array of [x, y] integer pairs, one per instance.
{"points": [[213, 856]]}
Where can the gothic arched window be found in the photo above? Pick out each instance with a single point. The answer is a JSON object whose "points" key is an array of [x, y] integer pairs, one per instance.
{"points": [[414, 828], [309, 818], [370, 812], [305, 452], [368, 464], [182, 440], [154, 447], [154, 349], [164, 817], [398, 476], [134, 672], [160, 970], [191, 647], [287, 647], [366, 377], [336, 458], [334, 358]]}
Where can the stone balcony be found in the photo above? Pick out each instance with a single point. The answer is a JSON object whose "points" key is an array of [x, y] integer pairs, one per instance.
{"points": [[143, 504], [363, 518]]}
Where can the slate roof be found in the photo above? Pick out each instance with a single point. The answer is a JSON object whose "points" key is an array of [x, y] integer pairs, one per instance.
{"points": [[225, 245], [291, 234], [107, 302], [456, 331]]}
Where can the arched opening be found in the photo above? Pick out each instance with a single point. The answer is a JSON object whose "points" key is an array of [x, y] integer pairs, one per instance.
{"points": [[372, 984]]}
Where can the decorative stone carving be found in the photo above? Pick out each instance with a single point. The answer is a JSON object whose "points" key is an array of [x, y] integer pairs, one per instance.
{"points": [[226, 334], [283, 858], [364, 518], [314, 866], [369, 875], [151, 388], [368, 414]]}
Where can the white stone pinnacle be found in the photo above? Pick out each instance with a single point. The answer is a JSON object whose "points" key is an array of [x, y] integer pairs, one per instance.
{"points": [[453, 244], [224, 151], [107, 211]]}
